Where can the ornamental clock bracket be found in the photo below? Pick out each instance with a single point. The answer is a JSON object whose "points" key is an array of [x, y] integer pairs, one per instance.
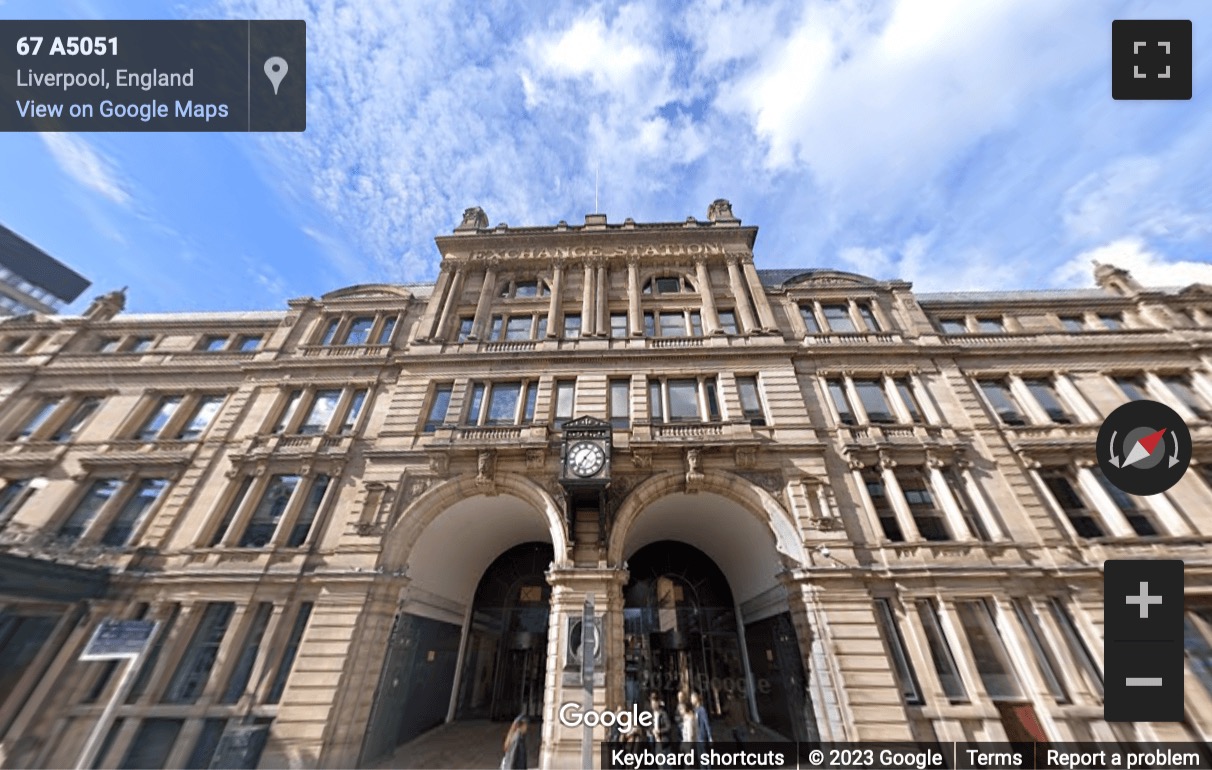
{"points": [[585, 473]]}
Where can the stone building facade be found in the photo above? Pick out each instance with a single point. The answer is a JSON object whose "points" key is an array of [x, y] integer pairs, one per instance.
{"points": [[861, 511]]}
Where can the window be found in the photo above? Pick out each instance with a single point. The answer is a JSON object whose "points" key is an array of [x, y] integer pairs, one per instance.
{"points": [[837, 318], [140, 344], [972, 518], [307, 516], [649, 325], [204, 413], [247, 343], [1181, 387], [86, 510], [195, 666], [620, 403], [208, 741], [991, 325], [232, 509], [618, 325], [1140, 521], [904, 389], [525, 289], [664, 285], [330, 331], [13, 344], [940, 652], [1133, 387], [871, 396], [288, 412], [386, 331], [289, 652], [1045, 395], [133, 511], [696, 324], [565, 394], [868, 316], [323, 408], [683, 400], [502, 403], [359, 331], [672, 324], [264, 520], [883, 507], [728, 322], [1197, 633], [465, 328], [22, 637], [159, 418], [1087, 666], [38, 418], [248, 654], [931, 524], [810, 322], [518, 328], [356, 401], [953, 326], [438, 406], [1060, 485], [213, 343], [13, 495], [837, 392], [997, 393], [330, 411], [988, 652], [572, 326], [1073, 323], [1111, 321], [901, 666], [152, 743], [71, 426], [751, 401], [143, 678], [1045, 660]]}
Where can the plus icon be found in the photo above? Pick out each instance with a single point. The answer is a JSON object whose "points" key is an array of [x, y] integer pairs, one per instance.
{"points": [[1144, 600]]}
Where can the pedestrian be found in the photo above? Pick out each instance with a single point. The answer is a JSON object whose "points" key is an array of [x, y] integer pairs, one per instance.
{"points": [[702, 724], [736, 719], [662, 732], [515, 744], [688, 722]]}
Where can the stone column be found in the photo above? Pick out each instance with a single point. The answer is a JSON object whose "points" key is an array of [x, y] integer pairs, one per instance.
{"points": [[1073, 396], [742, 297], [1112, 518], [561, 746], [555, 310], [484, 305], [711, 317], [450, 307], [426, 326], [977, 497], [894, 400], [1034, 413], [1162, 393], [951, 507], [635, 322], [587, 301], [896, 498], [758, 292], [856, 404], [602, 291]]}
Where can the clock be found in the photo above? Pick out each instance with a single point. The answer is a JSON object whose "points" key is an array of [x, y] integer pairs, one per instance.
{"points": [[586, 458]]}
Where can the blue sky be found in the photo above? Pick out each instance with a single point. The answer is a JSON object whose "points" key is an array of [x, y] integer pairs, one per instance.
{"points": [[953, 143]]}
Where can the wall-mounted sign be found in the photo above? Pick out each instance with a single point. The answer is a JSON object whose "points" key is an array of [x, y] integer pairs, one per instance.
{"points": [[115, 639]]}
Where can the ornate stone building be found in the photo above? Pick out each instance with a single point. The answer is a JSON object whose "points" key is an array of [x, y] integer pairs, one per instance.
{"points": [[862, 511]]}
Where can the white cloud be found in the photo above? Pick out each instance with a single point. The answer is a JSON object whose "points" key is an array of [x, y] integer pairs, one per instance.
{"points": [[81, 162], [1146, 266]]}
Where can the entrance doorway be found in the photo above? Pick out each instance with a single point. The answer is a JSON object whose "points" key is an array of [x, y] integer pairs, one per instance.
{"points": [[505, 662]]}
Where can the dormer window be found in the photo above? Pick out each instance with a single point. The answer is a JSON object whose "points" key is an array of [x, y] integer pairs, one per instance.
{"points": [[670, 284]]}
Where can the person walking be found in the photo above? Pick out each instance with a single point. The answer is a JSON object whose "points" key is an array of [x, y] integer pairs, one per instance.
{"points": [[515, 744], [662, 730], [702, 724], [688, 722]]}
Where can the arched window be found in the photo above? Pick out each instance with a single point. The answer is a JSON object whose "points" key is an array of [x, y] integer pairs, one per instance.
{"points": [[667, 284], [529, 288]]}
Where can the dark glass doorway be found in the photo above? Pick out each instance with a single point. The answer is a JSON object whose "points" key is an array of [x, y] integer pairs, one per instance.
{"points": [[505, 662]]}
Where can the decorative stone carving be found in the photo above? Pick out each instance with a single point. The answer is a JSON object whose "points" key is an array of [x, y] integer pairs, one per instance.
{"points": [[746, 456], [886, 459], [535, 459], [771, 481], [107, 306], [641, 459], [694, 469], [474, 219], [720, 210], [486, 471], [439, 463]]}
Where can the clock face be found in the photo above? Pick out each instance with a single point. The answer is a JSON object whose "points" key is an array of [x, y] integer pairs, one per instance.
{"points": [[585, 459]]}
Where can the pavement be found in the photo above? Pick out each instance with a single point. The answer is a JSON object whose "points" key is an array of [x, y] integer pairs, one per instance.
{"points": [[471, 744]]}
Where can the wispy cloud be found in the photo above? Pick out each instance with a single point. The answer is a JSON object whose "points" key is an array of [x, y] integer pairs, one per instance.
{"points": [[1146, 266], [77, 158]]}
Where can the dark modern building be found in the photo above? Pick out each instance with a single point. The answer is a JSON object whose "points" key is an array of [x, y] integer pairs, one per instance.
{"points": [[32, 281]]}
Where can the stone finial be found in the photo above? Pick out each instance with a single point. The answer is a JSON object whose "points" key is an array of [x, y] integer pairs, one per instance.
{"points": [[107, 306], [720, 210], [474, 219], [1115, 279]]}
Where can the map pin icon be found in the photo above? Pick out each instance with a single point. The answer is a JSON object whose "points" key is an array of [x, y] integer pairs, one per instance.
{"points": [[275, 70]]}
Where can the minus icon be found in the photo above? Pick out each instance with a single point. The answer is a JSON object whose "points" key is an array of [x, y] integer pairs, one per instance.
{"points": [[1143, 681]]}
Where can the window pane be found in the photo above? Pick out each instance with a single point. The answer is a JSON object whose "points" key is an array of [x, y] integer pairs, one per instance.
{"points": [[532, 396], [213, 343], [1073, 506], [86, 510], [649, 325], [208, 407], [289, 653], [1045, 394], [868, 316], [194, 669], [155, 423], [871, 394], [988, 652], [1181, 387], [108, 344], [540, 331], [477, 404], [620, 404], [248, 343], [292, 406], [496, 330], [152, 744], [45, 409], [1132, 387], [11, 498], [265, 518], [1140, 521], [354, 412], [953, 326], [883, 507], [72, 425], [1044, 658], [503, 403], [240, 675], [838, 318], [837, 392], [359, 331], [991, 325], [208, 740], [713, 403], [1073, 323], [891, 634], [999, 398], [389, 328], [1077, 645], [330, 331], [751, 403], [684, 400], [696, 323], [565, 390], [132, 513], [465, 328], [905, 390], [809, 316], [655, 407], [930, 522], [323, 407], [1198, 647], [572, 326], [618, 325], [940, 653], [728, 322], [672, 325], [140, 344], [526, 289], [311, 506], [437, 408], [668, 285], [518, 328], [232, 509], [1112, 321]]}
